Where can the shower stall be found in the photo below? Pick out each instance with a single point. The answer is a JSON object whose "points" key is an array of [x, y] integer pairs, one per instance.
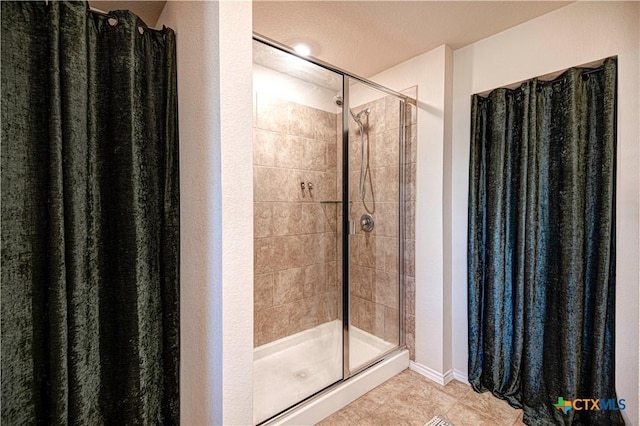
{"points": [[330, 173]]}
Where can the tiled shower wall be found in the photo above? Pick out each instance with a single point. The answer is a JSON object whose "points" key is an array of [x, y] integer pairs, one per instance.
{"points": [[374, 256], [296, 282], [297, 233], [411, 139]]}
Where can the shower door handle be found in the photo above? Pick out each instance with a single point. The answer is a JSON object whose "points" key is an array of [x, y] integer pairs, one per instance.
{"points": [[352, 227]]}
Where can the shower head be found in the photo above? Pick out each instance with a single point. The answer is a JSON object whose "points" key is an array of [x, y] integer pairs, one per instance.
{"points": [[366, 111], [339, 101]]}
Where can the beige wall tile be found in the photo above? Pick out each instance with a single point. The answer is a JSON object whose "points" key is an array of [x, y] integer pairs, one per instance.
{"points": [[294, 251], [329, 246], [411, 141], [270, 184], [410, 303], [410, 220], [391, 112], [391, 327], [362, 282], [385, 149], [288, 153], [269, 325], [366, 314], [264, 147], [286, 218], [334, 275], [263, 254], [330, 216], [410, 190], [272, 113], [387, 219], [328, 307], [301, 120], [409, 258], [313, 219], [315, 279], [390, 246], [262, 220], [366, 249], [379, 321], [304, 314], [263, 292], [386, 180], [410, 341], [314, 156], [331, 155], [386, 289], [288, 286], [324, 125]]}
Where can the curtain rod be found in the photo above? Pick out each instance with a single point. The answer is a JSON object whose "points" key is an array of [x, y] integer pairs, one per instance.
{"points": [[588, 68], [101, 12], [93, 10]]}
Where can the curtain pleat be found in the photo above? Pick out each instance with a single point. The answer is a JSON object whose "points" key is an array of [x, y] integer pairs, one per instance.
{"points": [[541, 245], [90, 225]]}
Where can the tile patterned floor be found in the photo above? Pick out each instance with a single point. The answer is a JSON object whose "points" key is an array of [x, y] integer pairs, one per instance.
{"points": [[411, 399]]}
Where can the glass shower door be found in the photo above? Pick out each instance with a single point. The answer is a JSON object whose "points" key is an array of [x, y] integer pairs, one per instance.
{"points": [[374, 141], [298, 331]]}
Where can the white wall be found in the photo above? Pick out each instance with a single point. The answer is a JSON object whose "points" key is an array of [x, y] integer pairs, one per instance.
{"points": [[216, 205], [214, 68], [576, 34], [431, 72], [266, 80]]}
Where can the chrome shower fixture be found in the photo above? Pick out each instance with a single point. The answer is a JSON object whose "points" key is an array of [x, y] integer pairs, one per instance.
{"points": [[339, 102], [357, 116]]}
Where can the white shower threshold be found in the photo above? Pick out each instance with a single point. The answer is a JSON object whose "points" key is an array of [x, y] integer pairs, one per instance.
{"points": [[293, 368]]}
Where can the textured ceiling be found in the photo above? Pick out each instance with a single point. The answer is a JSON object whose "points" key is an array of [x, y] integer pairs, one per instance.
{"points": [[366, 37]]}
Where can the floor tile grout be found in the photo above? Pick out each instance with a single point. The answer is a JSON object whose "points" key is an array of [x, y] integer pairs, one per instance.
{"points": [[458, 394]]}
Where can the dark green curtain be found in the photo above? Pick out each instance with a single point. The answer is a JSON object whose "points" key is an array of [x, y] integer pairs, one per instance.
{"points": [[90, 220], [541, 245]]}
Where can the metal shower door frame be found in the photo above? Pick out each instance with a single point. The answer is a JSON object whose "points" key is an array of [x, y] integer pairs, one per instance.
{"points": [[404, 102]]}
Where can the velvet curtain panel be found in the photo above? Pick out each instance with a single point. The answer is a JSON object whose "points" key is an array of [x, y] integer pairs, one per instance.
{"points": [[541, 245], [90, 226]]}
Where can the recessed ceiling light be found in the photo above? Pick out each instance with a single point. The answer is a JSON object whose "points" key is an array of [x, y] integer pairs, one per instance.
{"points": [[302, 49]]}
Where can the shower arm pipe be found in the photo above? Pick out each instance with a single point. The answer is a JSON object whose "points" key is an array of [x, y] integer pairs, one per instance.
{"points": [[325, 65]]}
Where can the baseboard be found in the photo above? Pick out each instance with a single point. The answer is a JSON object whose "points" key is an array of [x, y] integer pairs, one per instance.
{"points": [[429, 373], [461, 376]]}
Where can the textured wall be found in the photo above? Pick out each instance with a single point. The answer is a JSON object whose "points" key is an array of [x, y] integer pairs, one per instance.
{"points": [[214, 59]]}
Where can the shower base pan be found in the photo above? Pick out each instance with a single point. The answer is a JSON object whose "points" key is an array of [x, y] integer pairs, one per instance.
{"points": [[293, 368]]}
